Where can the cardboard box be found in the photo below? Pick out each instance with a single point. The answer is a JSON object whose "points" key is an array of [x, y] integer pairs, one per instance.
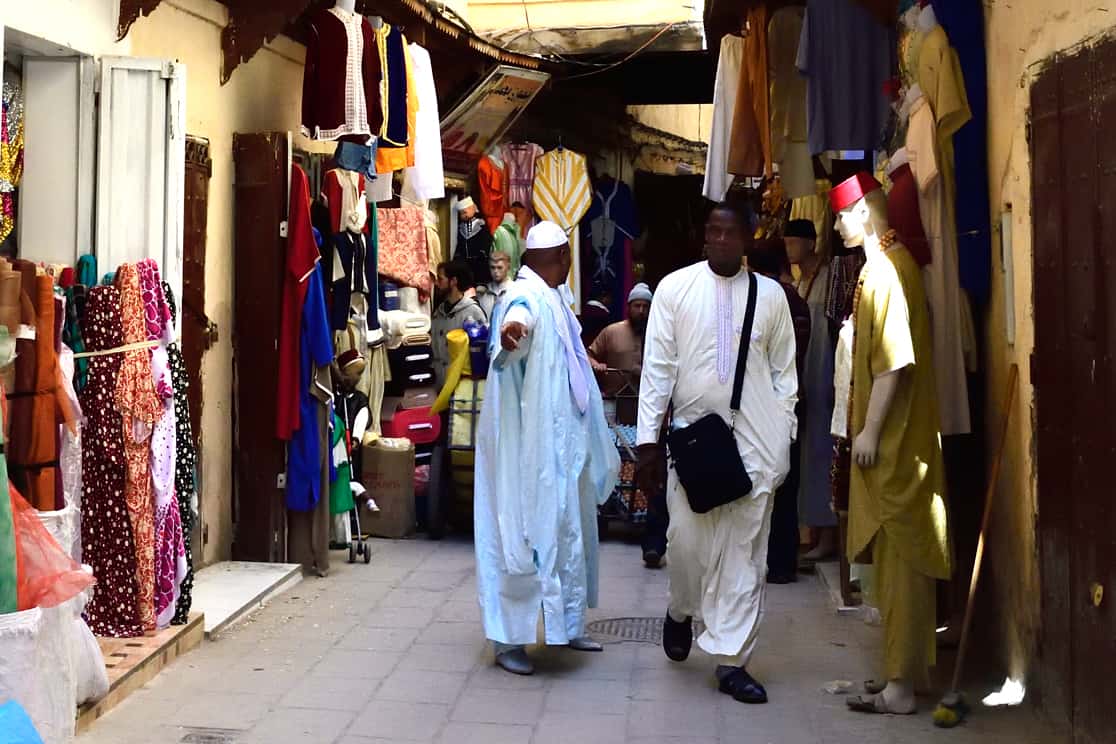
{"points": [[389, 476]]}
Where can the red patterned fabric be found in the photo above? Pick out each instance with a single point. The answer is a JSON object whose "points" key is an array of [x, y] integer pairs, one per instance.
{"points": [[106, 530], [403, 255], [141, 407]]}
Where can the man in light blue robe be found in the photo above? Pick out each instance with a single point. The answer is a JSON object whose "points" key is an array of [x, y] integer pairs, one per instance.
{"points": [[545, 460]]}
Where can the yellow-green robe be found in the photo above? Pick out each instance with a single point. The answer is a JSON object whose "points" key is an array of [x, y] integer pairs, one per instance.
{"points": [[904, 494]]}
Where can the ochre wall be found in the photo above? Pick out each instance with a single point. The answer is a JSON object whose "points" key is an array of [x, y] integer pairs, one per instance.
{"points": [[1019, 35], [693, 121], [264, 94]]}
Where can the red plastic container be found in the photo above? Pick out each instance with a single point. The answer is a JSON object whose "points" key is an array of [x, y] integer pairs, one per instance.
{"points": [[415, 424]]}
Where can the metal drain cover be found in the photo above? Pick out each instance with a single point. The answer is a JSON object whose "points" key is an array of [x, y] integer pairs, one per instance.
{"points": [[198, 735], [628, 629]]}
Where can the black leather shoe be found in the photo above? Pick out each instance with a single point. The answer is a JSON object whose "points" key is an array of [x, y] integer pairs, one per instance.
{"points": [[743, 688], [678, 638]]}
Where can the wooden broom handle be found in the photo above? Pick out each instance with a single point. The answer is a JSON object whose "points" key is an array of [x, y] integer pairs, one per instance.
{"points": [[993, 478]]}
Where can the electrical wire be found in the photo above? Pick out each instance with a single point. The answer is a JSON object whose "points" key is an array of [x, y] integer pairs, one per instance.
{"points": [[630, 57]]}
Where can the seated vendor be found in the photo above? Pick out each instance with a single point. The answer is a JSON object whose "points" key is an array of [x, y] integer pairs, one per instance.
{"points": [[617, 353]]}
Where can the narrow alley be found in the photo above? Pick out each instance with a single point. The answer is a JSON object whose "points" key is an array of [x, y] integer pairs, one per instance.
{"points": [[394, 652]]}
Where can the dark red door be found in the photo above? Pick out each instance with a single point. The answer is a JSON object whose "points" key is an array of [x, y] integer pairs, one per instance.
{"points": [[191, 305], [1074, 210], [259, 515]]}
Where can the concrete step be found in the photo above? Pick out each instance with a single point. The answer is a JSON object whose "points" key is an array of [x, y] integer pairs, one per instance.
{"points": [[230, 591]]}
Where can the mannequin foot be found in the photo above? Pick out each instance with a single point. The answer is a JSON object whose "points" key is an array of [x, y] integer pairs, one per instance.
{"points": [[898, 698], [585, 643], [826, 547], [516, 661]]}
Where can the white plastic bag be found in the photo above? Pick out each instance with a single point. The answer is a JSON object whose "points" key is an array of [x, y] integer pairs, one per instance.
{"points": [[31, 650]]}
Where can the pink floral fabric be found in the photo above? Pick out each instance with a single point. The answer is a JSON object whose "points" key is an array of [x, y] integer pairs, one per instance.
{"points": [[402, 250]]}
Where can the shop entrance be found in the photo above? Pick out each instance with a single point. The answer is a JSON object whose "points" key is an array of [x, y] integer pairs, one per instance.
{"points": [[674, 213], [1073, 106]]}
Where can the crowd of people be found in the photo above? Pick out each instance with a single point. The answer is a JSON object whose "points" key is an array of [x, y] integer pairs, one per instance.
{"points": [[733, 358]]}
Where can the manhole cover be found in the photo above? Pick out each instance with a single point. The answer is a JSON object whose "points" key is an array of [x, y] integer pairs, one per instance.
{"points": [[621, 629], [197, 735]]}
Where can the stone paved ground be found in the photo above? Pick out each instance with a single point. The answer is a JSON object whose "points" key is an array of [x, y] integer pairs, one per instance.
{"points": [[393, 652]]}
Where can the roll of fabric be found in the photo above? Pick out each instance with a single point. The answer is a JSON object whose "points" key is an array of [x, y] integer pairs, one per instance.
{"points": [[33, 458], [141, 407], [106, 528]]}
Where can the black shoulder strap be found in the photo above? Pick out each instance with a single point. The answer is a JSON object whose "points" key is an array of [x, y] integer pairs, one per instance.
{"points": [[745, 342]]}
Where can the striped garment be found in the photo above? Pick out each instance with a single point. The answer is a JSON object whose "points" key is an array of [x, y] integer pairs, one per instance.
{"points": [[562, 192], [563, 195]]}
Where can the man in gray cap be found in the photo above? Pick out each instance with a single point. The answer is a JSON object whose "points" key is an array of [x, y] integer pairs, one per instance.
{"points": [[617, 359]]}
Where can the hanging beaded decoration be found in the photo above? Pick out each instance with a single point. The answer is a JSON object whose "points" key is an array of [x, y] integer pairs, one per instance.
{"points": [[11, 154]]}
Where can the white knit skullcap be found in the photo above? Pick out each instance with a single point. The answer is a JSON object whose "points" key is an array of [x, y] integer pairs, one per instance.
{"points": [[465, 203], [546, 235]]}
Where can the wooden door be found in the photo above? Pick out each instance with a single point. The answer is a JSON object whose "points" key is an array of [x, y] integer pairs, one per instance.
{"points": [[193, 323], [259, 514], [1073, 107], [196, 337]]}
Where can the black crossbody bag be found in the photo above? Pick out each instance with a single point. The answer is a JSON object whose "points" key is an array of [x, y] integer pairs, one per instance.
{"points": [[704, 454]]}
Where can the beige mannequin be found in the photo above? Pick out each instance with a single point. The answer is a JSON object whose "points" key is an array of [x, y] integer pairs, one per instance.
{"points": [[863, 224], [349, 6]]}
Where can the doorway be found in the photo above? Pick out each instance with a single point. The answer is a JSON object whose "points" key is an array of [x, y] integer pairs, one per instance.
{"points": [[1073, 107]]}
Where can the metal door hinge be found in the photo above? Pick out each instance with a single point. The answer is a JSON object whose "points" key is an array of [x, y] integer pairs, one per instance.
{"points": [[281, 481], [283, 229]]}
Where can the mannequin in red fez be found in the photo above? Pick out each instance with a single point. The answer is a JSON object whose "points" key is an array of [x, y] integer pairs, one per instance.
{"points": [[897, 509]]}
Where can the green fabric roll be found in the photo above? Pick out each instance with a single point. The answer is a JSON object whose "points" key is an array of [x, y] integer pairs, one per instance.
{"points": [[9, 594]]}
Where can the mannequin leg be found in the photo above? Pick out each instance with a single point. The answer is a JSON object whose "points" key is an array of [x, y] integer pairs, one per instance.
{"points": [[906, 600]]}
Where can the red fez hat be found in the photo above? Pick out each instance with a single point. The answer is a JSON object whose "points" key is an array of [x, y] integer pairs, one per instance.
{"points": [[850, 191]]}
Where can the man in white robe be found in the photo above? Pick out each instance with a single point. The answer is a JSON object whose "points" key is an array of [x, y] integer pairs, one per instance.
{"points": [[545, 461], [717, 561]]}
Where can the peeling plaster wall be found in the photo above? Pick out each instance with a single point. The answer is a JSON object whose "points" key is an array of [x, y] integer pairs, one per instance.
{"points": [[488, 15], [693, 121], [1020, 35]]}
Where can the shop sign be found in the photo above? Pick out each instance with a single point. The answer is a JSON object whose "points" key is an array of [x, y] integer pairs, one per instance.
{"points": [[479, 121]]}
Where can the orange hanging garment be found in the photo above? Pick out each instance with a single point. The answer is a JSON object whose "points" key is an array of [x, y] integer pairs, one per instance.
{"points": [[493, 196]]}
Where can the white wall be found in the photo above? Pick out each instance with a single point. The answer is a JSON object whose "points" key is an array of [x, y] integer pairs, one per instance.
{"points": [[85, 26]]}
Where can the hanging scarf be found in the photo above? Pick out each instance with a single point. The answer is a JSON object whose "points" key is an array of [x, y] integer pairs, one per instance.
{"points": [[184, 463]]}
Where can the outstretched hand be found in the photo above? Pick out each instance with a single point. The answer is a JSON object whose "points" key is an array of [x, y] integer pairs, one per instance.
{"points": [[511, 334]]}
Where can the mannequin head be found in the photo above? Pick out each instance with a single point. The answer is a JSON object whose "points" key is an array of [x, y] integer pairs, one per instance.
{"points": [[466, 209], [861, 208], [864, 222], [499, 263], [800, 239]]}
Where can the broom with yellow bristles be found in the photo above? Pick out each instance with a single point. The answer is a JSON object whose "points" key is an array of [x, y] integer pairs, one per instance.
{"points": [[952, 709]]}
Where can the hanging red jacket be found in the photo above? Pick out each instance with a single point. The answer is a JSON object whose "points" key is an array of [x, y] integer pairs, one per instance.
{"points": [[302, 257]]}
